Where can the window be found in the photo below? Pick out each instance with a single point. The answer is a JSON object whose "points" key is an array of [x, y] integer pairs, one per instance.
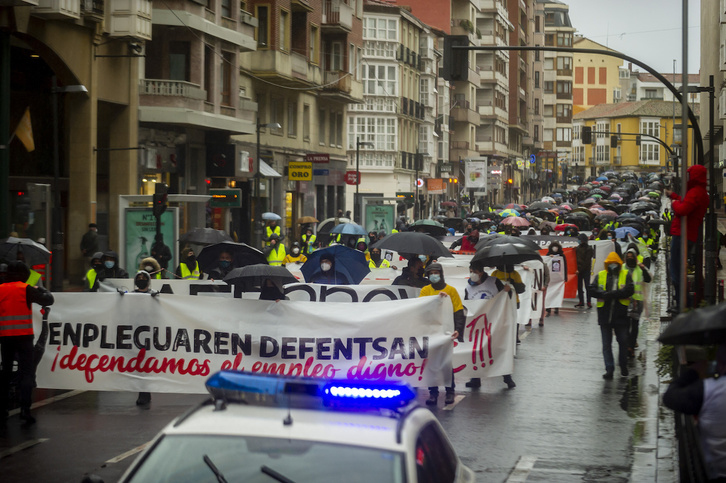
{"points": [[359, 64], [306, 122], [263, 19], [351, 57], [564, 39], [536, 79], [435, 459], [339, 129], [564, 134], [537, 23], [549, 87], [649, 152], [549, 64], [179, 61], [602, 153], [292, 119], [624, 74], [424, 91], [536, 107], [651, 94], [550, 40], [226, 84], [277, 107], [209, 58], [601, 127], [226, 8], [284, 30], [651, 127], [549, 110], [336, 57], [378, 130], [576, 128], [380, 28], [380, 80], [321, 127], [536, 133], [547, 135], [564, 111], [332, 129], [564, 65], [314, 44]]}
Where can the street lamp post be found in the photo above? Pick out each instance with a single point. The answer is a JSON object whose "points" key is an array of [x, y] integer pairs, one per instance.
{"points": [[356, 205], [258, 205], [57, 247]]}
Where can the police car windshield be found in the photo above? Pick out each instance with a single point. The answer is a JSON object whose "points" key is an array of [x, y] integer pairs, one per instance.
{"points": [[180, 458]]}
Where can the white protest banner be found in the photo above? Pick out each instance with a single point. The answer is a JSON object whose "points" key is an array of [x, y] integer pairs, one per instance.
{"points": [[313, 292], [179, 287], [173, 343], [556, 288], [489, 338]]}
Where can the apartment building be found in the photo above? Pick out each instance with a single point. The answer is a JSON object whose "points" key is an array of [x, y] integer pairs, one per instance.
{"points": [[90, 51], [190, 107], [533, 178], [398, 117], [306, 69], [558, 80], [635, 85], [596, 76]]}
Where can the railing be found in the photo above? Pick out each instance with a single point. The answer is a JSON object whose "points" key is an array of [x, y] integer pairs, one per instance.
{"points": [[299, 63], [564, 95], [337, 80], [338, 13], [172, 88], [461, 104], [92, 7], [459, 144]]}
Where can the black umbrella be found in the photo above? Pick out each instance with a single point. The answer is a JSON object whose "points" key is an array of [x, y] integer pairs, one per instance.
{"points": [[414, 243], [255, 275], [204, 236], [505, 254], [605, 217], [541, 205], [497, 239], [641, 206], [242, 255], [627, 216], [706, 326], [431, 227], [33, 253]]}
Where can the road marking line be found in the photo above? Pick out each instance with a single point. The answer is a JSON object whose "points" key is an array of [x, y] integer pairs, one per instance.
{"points": [[457, 400], [49, 400], [131, 452], [22, 446], [522, 469]]}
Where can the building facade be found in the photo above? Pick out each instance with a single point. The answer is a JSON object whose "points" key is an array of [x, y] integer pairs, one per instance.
{"points": [[596, 79]]}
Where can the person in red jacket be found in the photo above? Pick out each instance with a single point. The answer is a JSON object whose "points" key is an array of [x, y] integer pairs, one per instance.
{"points": [[693, 207]]}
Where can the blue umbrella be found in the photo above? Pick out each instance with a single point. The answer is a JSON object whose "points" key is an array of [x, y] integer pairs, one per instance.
{"points": [[622, 232], [601, 178], [349, 229], [349, 266]]}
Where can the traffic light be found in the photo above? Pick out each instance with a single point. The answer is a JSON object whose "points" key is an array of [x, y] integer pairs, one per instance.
{"points": [[613, 141], [456, 62], [160, 199], [586, 135], [510, 181], [637, 140]]}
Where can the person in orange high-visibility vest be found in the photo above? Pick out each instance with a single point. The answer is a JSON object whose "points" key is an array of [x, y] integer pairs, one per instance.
{"points": [[16, 335]]}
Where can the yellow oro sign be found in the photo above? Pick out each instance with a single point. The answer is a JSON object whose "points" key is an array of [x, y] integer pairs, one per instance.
{"points": [[300, 171]]}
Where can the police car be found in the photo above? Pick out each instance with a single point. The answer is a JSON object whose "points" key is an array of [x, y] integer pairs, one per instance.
{"points": [[262, 428]]}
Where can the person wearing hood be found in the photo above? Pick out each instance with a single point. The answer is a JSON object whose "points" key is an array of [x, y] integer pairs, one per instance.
{"points": [[555, 250], [91, 278], [377, 261], [413, 274], [275, 251], [362, 246], [328, 275], [295, 256], [151, 266], [483, 286], [224, 266], [161, 253], [693, 207], [308, 241], [110, 267], [142, 284], [188, 268], [584, 254], [641, 276], [16, 336], [613, 287], [439, 287]]}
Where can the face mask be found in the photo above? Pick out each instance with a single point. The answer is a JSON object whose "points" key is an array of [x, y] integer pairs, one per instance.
{"points": [[375, 256], [631, 263], [97, 266], [422, 258], [435, 278], [109, 263], [149, 269], [645, 237], [612, 267], [555, 249], [325, 267], [191, 259], [474, 277], [361, 248], [142, 283], [295, 251], [224, 263], [610, 237]]}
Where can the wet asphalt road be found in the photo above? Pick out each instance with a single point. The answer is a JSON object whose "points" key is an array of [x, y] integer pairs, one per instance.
{"points": [[561, 423]]}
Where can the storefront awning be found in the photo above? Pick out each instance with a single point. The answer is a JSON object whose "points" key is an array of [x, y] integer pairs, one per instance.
{"points": [[267, 171]]}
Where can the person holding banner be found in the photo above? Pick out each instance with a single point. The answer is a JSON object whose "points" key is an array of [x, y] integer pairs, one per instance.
{"points": [[413, 274], [91, 278], [189, 268], [377, 261], [559, 265], [439, 287], [295, 256], [110, 267], [151, 266], [613, 288], [483, 286], [16, 336], [142, 284], [224, 266]]}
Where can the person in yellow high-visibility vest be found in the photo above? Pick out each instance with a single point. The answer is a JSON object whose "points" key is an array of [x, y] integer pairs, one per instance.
{"points": [[275, 252], [613, 288], [91, 278], [377, 261], [308, 241], [151, 266], [272, 229], [189, 269], [641, 276]]}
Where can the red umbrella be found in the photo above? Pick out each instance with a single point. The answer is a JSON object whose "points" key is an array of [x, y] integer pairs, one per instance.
{"points": [[448, 203], [515, 221], [513, 206], [565, 226]]}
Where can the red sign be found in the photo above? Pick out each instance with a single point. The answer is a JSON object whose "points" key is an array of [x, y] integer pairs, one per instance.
{"points": [[351, 177], [317, 158]]}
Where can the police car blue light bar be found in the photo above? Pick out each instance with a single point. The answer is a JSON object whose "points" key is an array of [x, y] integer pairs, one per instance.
{"points": [[388, 394]]}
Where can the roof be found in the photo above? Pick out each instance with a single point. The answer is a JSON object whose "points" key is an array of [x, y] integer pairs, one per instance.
{"points": [[693, 79], [650, 108], [580, 38]]}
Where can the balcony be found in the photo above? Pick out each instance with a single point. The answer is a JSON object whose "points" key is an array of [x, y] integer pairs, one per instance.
{"points": [[461, 149], [617, 160], [299, 65], [184, 104], [337, 16], [340, 86], [564, 95], [93, 10], [290, 70], [131, 18], [649, 162], [58, 9], [462, 113]]}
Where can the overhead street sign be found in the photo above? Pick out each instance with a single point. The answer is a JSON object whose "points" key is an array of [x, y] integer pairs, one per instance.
{"points": [[300, 171]]}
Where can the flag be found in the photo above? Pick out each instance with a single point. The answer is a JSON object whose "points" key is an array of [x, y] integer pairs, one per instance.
{"points": [[24, 131]]}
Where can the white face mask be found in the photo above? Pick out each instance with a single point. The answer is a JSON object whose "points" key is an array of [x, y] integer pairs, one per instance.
{"points": [[435, 278], [555, 249], [474, 277], [325, 266]]}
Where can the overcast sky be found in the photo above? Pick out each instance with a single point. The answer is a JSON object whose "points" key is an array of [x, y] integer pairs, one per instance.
{"points": [[648, 30]]}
